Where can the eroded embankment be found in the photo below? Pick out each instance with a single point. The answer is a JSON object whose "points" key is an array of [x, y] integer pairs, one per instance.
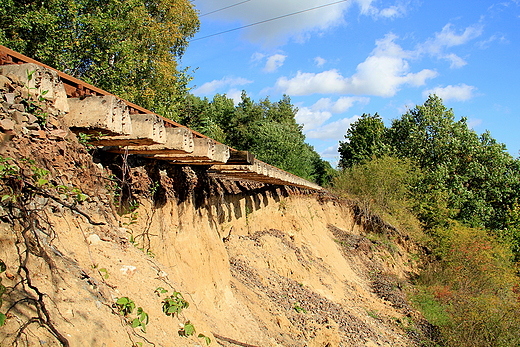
{"points": [[259, 265]]}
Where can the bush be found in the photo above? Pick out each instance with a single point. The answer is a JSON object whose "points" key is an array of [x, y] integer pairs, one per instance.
{"points": [[471, 291]]}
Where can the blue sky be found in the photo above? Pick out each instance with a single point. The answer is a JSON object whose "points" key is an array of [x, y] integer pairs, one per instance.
{"points": [[365, 56]]}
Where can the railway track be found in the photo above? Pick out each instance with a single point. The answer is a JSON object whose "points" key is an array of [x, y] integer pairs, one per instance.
{"points": [[154, 135]]}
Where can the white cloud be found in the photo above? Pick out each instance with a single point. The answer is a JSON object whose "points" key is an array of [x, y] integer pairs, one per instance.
{"points": [[334, 131], [235, 94], [274, 62], [311, 119], [319, 61], [346, 102], [447, 38], [330, 152], [455, 60], [298, 25], [393, 11], [211, 87], [497, 37], [314, 116], [474, 122], [257, 56], [461, 92], [382, 74]]}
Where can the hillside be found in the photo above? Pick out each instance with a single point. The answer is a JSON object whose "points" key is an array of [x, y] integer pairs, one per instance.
{"points": [[259, 264]]}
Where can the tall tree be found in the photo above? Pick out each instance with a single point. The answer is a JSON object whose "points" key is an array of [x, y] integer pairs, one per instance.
{"points": [[364, 139], [466, 177], [127, 47]]}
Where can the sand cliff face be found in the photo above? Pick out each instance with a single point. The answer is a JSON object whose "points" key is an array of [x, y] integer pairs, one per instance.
{"points": [[258, 265]]}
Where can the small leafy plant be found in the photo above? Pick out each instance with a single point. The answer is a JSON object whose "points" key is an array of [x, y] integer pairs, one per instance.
{"points": [[126, 307], [298, 308], [206, 339], [174, 304], [187, 329], [2, 291]]}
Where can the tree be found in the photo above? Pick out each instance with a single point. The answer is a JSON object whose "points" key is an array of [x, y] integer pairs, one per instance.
{"points": [[364, 139], [265, 128], [474, 173], [127, 47]]}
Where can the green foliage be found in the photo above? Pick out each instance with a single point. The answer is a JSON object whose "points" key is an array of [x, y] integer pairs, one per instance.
{"points": [[126, 307], [364, 139], [466, 177], [383, 184], [3, 289], [129, 48], [471, 293], [174, 304], [298, 308], [141, 320], [267, 129], [206, 339], [188, 329], [475, 174]]}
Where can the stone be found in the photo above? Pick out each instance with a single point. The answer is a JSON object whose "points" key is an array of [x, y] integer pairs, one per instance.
{"points": [[128, 270], [7, 124], [5, 83], [19, 117], [9, 98], [93, 239], [59, 133], [18, 107], [31, 118]]}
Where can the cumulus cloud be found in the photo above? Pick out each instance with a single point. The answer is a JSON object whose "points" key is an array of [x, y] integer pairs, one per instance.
{"points": [[461, 92], [298, 25], [274, 62], [381, 74], [314, 116], [235, 94], [311, 119], [346, 102], [333, 131], [319, 61], [211, 87], [474, 122]]}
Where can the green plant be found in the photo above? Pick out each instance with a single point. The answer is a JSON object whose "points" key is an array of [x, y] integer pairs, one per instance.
{"points": [[3, 317], [373, 314], [174, 304], [160, 290], [206, 339], [298, 308], [154, 187], [188, 329], [126, 307], [248, 212], [141, 320], [282, 205]]}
